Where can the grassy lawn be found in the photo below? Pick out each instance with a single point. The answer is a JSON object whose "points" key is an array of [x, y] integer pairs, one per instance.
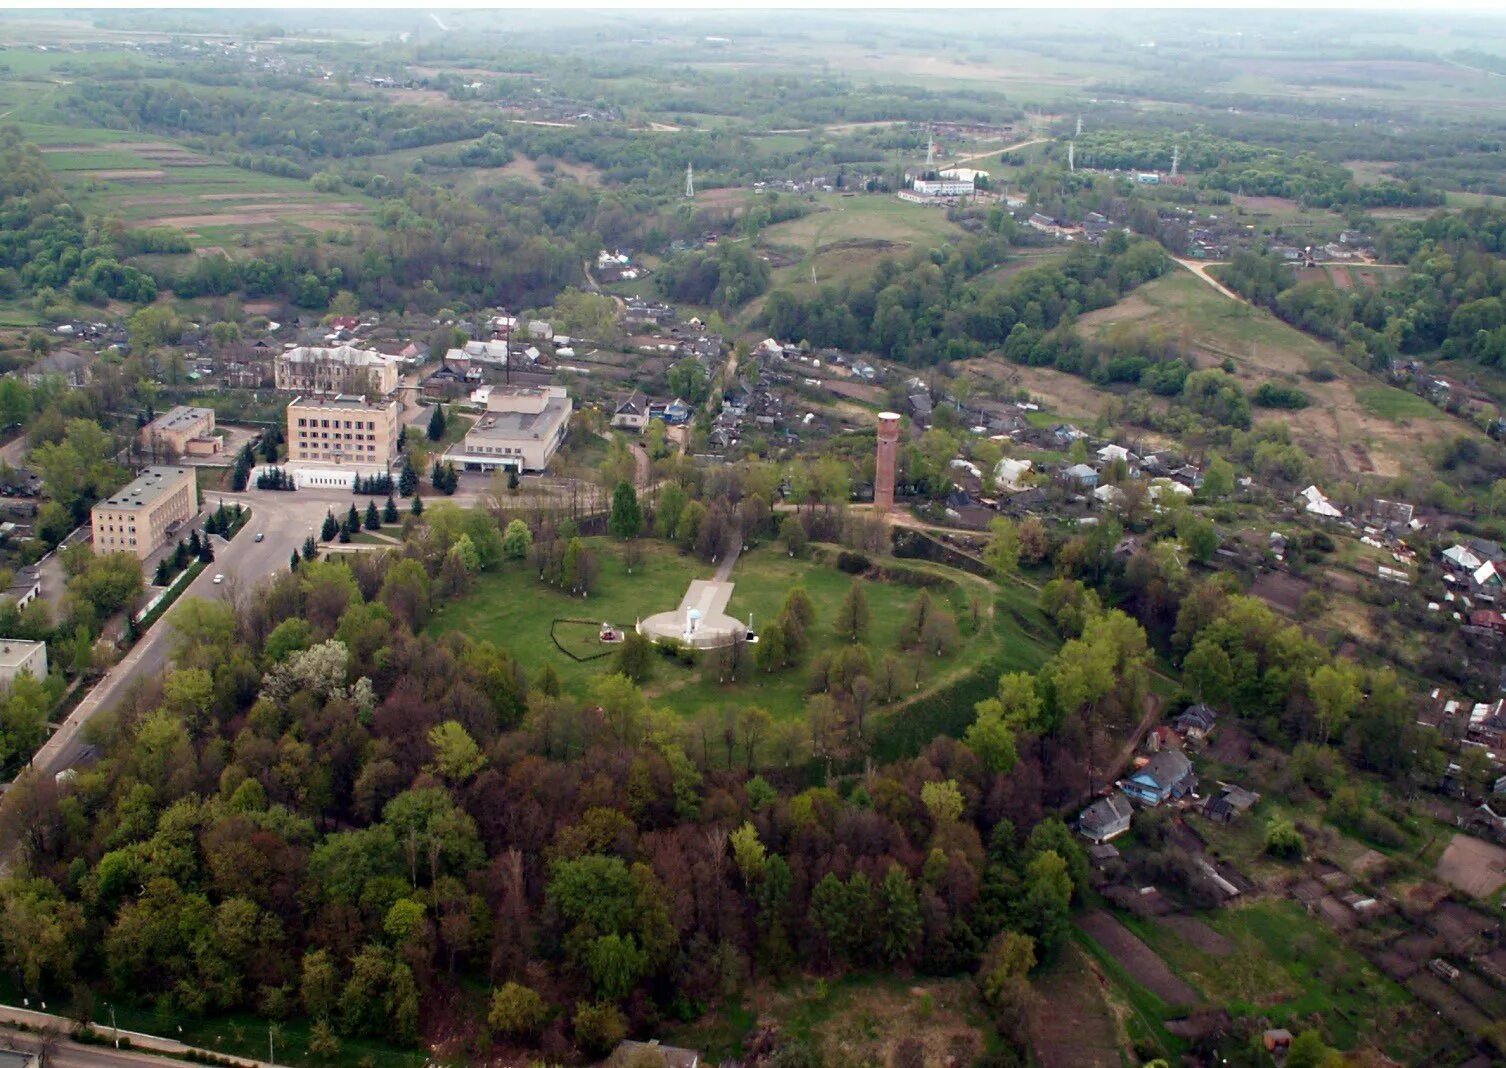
{"points": [[510, 607], [513, 609], [1397, 405], [1353, 420], [846, 234]]}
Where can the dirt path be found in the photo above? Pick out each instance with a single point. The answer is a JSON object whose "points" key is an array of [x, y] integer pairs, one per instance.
{"points": [[1200, 269], [1001, 150]]}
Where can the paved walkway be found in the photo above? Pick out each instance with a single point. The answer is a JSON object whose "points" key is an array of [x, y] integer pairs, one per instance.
{"points": [[724, 569]]}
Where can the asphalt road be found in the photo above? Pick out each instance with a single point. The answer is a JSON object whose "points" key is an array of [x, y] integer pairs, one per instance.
{"points": [[285, 518]]}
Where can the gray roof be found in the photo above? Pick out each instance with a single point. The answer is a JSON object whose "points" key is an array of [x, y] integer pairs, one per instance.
{"points": [[511, 426], [1106, 811], [1167, 768], [147, 487], [61, 362], [179, 417]]}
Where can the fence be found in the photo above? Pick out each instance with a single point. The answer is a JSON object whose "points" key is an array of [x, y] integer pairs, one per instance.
{"points": [[574, 656]]}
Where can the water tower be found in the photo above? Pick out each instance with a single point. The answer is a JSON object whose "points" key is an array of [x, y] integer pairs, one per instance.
{"points": [[883, 471]]}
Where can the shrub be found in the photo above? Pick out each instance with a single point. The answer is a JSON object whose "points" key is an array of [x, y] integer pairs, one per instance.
{"points": [[852, 563], [1274, 395], [517, 1011], [1282, 839]]}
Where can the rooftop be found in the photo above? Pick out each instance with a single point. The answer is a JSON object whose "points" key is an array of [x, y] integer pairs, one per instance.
{"points": [[181, 418], [14, 651], [510, 426], [344, 401], [147, 487], [347, 354]]}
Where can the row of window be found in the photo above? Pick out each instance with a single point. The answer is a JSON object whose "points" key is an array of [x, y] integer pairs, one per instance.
{"points": [[349, 424], [335, 435]]}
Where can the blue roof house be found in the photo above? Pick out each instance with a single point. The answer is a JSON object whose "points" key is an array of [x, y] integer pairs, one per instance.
{"points": [[1167, 776]]}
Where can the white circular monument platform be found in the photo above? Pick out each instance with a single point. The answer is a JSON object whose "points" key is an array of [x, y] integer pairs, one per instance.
{"points": [[701, 620]]}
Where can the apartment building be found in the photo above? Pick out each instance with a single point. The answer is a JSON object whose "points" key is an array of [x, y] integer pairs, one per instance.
{"points": [[342, 429], [341, 370], [148, 513], [183, 431], [522, 427]]}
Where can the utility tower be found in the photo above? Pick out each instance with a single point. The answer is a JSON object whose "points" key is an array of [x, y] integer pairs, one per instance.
{"points": [[689, 181], [1072, 157], [1079, 126], [930, 149], [1176, 159]]}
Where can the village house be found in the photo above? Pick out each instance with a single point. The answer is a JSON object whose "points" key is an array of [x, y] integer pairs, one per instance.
{"points": [[632, 412], [1196, 722], [630, 1054], [72, 367], [25, 586], [1228, 806], [1082, 475], [1106, 818], [1167, 776]]}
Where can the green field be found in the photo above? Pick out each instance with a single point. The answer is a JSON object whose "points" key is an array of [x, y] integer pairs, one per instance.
{"points": [[1396, 405], [513, 609], [846, 234]]}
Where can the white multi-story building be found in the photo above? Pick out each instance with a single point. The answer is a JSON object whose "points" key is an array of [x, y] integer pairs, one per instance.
{"points": [[522, 427]]}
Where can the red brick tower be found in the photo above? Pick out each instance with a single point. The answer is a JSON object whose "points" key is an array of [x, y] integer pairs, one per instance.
{"points": [[883, 472]]}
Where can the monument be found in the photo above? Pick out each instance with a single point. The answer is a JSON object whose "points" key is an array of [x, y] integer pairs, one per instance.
{"points": [[701, 621]]}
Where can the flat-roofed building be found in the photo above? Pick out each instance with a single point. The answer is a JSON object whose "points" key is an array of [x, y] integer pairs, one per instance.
{"points": [[342, 430], [522, 427], [344, 369], [183, 431], [21, 657], [141, 518]]}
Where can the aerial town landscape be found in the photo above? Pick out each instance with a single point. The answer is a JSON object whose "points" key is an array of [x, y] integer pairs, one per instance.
{"points": [[841, 539]]}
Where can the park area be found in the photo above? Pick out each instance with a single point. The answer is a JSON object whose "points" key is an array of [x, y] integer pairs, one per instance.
{"points": [[513, 609]]}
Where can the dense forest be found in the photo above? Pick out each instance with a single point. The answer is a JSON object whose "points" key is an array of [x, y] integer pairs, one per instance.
{"points": [[1248, 168], [47, 245], [932, 307], [322, 811]]}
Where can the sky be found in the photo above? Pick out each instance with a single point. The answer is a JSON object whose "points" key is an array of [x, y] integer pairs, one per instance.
{"points": [[1496, 7]]}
